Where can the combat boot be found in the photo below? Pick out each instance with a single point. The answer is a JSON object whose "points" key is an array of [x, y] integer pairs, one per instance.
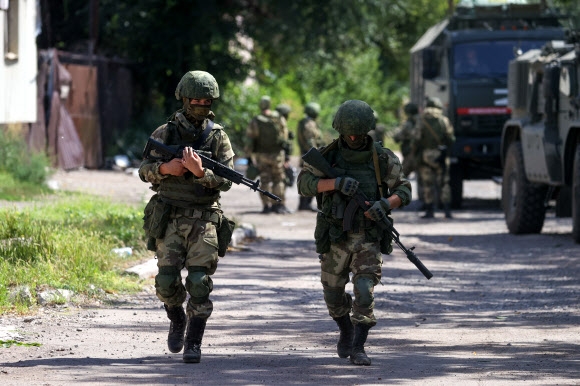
{"points": [[358, 355], [305, 204], [176, 328], [428, 211], [195, 329], [344, 345], [447, 209], [280, 209]]}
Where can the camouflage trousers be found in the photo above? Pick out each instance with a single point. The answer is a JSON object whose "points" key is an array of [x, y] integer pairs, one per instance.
{"points": [[364, 260], [435, 183], [189, 243], [272, 176]]}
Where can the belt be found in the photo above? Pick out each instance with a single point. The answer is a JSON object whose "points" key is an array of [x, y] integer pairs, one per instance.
{"points": [[197, 214]]}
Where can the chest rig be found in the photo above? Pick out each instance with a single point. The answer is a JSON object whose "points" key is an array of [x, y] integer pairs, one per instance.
{"points": [[184, 191]]}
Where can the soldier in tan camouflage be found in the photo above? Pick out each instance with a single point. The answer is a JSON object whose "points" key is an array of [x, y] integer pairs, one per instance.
{"points": [[433, 140], [405, 135], [365, 165], [184, 215], [309, 135], [267, 139]]}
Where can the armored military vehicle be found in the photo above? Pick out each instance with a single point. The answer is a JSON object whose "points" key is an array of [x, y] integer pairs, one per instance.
{"points": [[463, 60], [540, 146]]}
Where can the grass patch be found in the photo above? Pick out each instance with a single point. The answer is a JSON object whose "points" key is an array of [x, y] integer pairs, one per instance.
{"points": [[66, 242], [9, 343], [13, 189]]}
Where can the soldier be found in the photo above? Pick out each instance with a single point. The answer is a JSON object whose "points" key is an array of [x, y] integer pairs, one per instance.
{"points": [[405, 135], [358, 252], [267, 144], [183, 217], [289, 170], [378, 133], [309, 136], [433, 139]]}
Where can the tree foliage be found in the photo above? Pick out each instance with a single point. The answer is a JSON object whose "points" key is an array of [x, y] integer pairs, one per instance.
{"points": [[295, 51]]}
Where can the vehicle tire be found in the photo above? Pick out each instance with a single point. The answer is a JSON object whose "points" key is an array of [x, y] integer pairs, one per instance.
{"points": [[456, 186], [564, 202], [576, 196], [522, 201]]}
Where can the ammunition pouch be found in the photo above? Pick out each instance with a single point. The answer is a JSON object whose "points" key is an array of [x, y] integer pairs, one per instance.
{"points": [[326, 232], [225, 230], [155, 219]]}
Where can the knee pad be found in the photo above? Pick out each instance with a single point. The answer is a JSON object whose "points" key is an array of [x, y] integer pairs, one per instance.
{"points": [[336, 296], [167, 281], [364, 286], [198, 284]]}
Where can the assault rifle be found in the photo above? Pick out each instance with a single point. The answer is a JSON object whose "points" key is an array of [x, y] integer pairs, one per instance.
{"points": [[167, 153], [315, 158]]}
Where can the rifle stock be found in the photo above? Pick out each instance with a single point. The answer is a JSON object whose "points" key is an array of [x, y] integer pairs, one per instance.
{"points": [[167, 153], [359, 199]]}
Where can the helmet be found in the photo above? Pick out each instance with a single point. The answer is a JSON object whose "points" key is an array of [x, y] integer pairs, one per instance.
{"points": [[411, 109], [265, 102], [354, 117], [434, 102], [283, 109], [197, 85], [312, 109]]}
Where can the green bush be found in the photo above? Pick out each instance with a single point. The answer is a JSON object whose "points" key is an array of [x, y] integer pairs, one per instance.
{"points": [[16, 160]]}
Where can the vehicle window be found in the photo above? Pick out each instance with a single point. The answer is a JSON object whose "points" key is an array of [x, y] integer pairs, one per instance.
{"points": [[488, 59]]}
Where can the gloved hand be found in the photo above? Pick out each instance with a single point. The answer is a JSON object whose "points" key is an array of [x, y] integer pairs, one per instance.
{"points": [[378, 210], [346, 185]]}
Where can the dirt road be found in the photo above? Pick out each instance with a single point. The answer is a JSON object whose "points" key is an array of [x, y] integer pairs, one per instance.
{"points": [[500, 309]]}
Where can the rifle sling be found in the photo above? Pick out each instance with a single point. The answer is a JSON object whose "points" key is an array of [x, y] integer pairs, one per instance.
{"points": [[377, 170], [432, 131]]}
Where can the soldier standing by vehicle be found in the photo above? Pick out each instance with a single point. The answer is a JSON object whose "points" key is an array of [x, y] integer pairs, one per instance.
{"points": [[433, 139], [359, 251], [405, 135], [183, 218], [309, 136], [267, 144]]}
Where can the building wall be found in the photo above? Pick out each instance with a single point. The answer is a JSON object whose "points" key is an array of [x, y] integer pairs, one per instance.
{"points": [[18, 76]]}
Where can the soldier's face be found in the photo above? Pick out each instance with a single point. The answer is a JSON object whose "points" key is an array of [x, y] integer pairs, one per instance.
{"points": [[203, 102]]}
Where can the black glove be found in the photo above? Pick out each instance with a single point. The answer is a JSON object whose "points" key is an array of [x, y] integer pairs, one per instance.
{"points": [[346, 185]]}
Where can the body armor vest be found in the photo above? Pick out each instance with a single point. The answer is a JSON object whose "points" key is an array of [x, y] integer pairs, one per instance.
{"points": [[183, 191], [358, 165], [268, 140]]}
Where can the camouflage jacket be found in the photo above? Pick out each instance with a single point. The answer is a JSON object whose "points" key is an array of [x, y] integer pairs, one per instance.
{"points": [[179, 131]]}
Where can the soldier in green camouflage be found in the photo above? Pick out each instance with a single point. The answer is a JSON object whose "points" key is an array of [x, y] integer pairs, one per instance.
{"points": [[367, 166], [184, 214], [433, 139], [267, 143], [309, 135]]}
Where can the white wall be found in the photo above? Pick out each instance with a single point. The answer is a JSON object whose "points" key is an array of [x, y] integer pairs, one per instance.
{"points": [[18, 78]]}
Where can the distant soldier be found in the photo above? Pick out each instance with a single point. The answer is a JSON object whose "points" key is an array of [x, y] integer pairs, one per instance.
{"points": [[404, 136], [378, 133], [433, 139], [309, 135], [289, 170], [267, 144]]}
